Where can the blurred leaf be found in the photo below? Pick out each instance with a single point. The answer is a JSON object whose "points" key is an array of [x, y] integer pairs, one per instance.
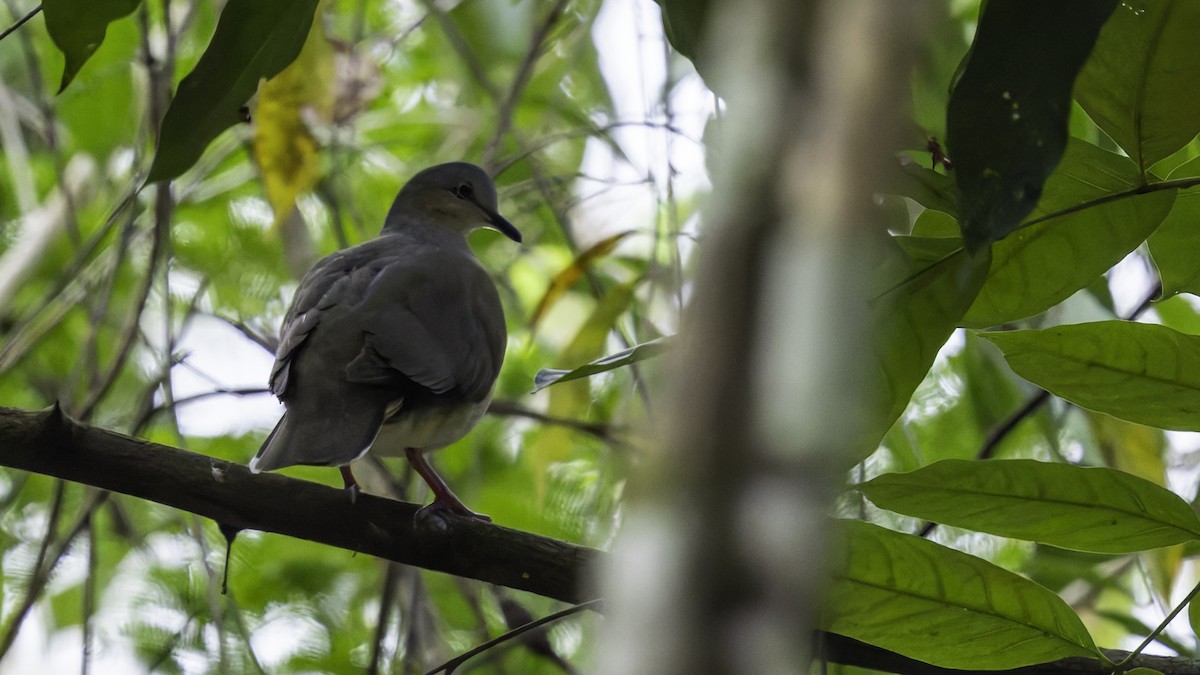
{"points": [[78, 28], [572, 399], [1094, 509], [683, 24], [548, 376], [254, 39], [567, 278], [1007, 120], [283, 143], [1175, 245], [1141, 85], [1133, 626], [1078, 231], [1132, 448], [946, 608], [1140, 450], [1138, 372]]}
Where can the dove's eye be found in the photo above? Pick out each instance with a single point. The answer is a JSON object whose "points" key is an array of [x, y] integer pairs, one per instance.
{"points": [[465, 191]]}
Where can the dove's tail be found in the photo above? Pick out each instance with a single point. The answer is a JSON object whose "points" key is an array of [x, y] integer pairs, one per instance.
{"points": [[326, 439]]}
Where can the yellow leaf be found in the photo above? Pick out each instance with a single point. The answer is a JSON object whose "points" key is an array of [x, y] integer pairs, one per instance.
{"points": [[573, 273], [286, 150]]}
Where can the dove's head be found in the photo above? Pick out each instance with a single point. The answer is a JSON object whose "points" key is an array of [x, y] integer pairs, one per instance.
{"points": [[457, 196]]}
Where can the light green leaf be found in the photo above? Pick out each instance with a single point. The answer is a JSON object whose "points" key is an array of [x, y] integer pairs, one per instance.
{"points": [[1138, 372], [1141, 85], [1177, 313], [1175, 245], [1006, 126], [923, 294], [1078, 231], [1093, 509], [944, 607], [255, 39], [78, 28], [548, 376], [926, 187]]}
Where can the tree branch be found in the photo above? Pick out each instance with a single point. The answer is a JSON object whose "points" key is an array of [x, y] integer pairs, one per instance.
{"points": [[50, 443]]}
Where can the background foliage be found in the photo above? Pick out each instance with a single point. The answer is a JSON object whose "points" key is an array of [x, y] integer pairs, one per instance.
{"points": [[1055, 250]]}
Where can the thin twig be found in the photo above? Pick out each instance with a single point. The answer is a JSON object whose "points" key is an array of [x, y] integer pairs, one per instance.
{"points": [[89, 594], [509, 409], [20, 22], [450, 666], [520, 80], [387, 598]]}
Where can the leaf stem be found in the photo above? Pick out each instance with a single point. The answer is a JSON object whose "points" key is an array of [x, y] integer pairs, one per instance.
{"points": [[1161, 627]]}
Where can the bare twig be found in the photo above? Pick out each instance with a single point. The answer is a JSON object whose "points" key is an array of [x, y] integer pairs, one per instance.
{"points": [[524, 72], [450, 666], [387, 599], [600, 430], [20, 22]]}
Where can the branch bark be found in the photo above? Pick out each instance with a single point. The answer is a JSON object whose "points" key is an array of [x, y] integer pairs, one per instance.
{"points": [[50, 443]]}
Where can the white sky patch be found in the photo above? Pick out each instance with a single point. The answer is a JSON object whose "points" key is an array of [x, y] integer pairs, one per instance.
{"points": [[219, 357], [623, 191]]}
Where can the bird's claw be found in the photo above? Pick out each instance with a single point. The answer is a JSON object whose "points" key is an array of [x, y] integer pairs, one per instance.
{"points": [[440, 513]]}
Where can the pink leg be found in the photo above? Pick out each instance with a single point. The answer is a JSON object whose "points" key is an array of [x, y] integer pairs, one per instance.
{"points": [[443, 498], [351, 485]]}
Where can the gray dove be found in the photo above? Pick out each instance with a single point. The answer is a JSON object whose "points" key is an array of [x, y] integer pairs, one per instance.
{"points": [[393, 345]]}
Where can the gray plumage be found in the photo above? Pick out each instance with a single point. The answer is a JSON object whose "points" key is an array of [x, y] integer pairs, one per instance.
{"points": [[404, 333]]}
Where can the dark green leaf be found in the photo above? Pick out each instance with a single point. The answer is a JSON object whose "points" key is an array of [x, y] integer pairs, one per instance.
{"points": [[1141, 85], [548, 376], [1007, 120], [78, 27], [1098, 510], [944, 607], [255, 39], [683, 24], [1138, 372], [1089, 218]]}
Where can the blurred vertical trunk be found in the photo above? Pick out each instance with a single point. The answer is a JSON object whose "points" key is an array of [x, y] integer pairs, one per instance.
{"points": [[720, 562]]}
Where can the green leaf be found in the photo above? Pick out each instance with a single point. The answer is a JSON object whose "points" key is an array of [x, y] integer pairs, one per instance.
{"points": [[548, 376], [255, 39], [1007, 119], [923, 295], [944, 607], [926, 187], [1175, 245], [1177, 313], [1093, 509], [78, 28], [1141, 85], [1138, 372], [1078, 231]]}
